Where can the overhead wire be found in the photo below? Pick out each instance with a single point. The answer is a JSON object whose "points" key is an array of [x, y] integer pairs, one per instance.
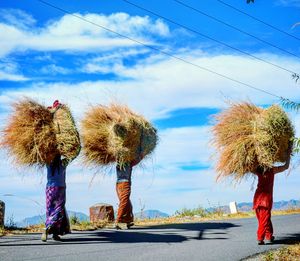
{"points": [[259, 20], [235, 28], [162, 51], [209, 37]]}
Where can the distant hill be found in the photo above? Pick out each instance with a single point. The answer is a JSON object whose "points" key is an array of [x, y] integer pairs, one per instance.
{"points": [[280, 205], [147, 214], [247, 206], [41, 219], [150, 213], [286, 204], [153, 213]]}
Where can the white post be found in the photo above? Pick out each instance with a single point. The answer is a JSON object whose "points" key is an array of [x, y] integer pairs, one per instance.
{"points": [[233, 207]]}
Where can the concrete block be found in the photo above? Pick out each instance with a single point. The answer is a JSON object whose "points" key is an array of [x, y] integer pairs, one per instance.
{"points": [[101, 212]]}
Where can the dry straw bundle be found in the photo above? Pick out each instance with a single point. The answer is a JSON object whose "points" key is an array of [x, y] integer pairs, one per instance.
{"points": [[29, 135], [247, 136], [116, 134], [67, 136], [35, 135]]}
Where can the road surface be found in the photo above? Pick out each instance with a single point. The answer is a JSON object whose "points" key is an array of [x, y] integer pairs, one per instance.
{"points": [[218, 240]]}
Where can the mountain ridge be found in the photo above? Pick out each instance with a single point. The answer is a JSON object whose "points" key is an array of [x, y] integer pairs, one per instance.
{"points": [[154, 213]]}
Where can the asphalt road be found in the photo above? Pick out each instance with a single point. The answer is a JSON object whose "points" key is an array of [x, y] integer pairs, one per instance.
{"points": [[220, 240]]}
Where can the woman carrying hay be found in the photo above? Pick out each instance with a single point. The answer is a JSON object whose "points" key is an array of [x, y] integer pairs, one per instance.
{"points": [[263, 200], [251, 140], [57, 221], [40, 136], [116, 135]]}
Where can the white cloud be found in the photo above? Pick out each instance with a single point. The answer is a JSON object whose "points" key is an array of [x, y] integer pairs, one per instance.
{"points": [[11, 37], [295, 3], [120, 22], [71, 34], [163, 84], [12, 77], [110, 62], [53, 69], [17, 17], [9, 71]]}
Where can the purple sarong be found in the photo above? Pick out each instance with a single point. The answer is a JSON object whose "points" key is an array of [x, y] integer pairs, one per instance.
{"points": [[57, 221]]}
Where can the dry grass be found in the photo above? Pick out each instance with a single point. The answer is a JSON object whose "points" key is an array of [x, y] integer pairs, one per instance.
{"points": [[191, 219], [273, 133], [215, 216], [289, 211], [35, 135], [80, 226], [86, 225], [67, 136], [116, 134], [247, 136], [28, 135], [8, 231], [289, 253]]}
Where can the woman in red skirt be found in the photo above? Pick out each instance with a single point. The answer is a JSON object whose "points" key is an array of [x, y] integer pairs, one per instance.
{"points": [[123, 188], [263, 200]]}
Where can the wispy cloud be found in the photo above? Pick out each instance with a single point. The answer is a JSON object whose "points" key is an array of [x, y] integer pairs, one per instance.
{"points": [[71, 34], [53, 69], [12, 77], [152, 86], [294, 3], [9, 71], [17, 18], [111, 62]]}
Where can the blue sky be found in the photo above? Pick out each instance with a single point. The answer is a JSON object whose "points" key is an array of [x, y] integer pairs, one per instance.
{"points": [[47, 55]]}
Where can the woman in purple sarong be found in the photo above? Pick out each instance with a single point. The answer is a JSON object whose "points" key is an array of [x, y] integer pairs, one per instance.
{"points": [[57, 221]]}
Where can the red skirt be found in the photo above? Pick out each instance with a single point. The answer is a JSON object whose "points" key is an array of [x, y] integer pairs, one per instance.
{"points": [[125, 214]]}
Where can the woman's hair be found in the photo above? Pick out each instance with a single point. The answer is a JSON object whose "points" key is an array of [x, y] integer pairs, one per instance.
{"points": [[262, 170]]}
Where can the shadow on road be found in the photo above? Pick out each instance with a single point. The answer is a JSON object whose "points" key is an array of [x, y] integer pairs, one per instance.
{"points": [[290, 239], [173, 233], [201, 227], [191, 226]]}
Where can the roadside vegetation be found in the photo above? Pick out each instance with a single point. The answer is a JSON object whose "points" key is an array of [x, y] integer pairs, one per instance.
{"points": [[184, 215], [289, 253], [79, 225]]}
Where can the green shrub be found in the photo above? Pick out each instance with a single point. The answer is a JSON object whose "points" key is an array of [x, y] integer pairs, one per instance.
{"points": [[185, 212]]}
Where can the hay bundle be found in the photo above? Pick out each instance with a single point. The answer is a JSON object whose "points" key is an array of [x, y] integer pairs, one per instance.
{"points": [[29, 135], [116, 134], [247, 136], [67, 136]]}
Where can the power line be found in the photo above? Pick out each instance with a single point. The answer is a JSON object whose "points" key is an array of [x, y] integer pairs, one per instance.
{"points": [[159, 50], [235, 28], [210, 38], [259, 20]]}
